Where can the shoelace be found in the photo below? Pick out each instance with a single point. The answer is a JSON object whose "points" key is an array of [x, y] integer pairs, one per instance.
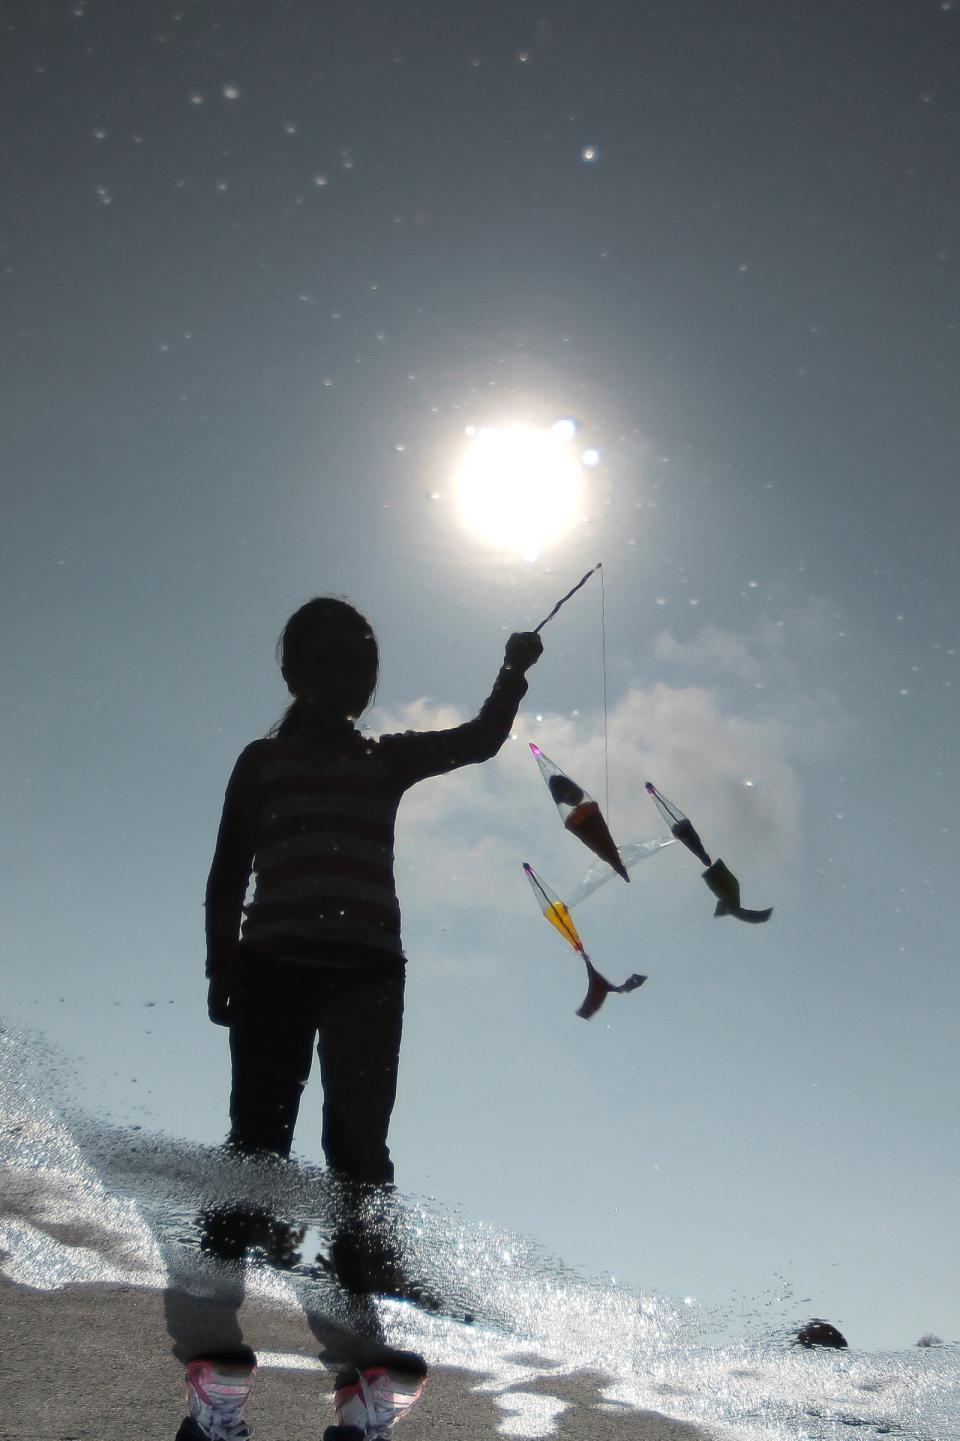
{"points": [[225, 1423], [379, 1423]]}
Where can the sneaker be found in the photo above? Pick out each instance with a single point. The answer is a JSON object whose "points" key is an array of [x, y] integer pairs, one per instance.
{"points": [[217, 1392], [373, 1401]]}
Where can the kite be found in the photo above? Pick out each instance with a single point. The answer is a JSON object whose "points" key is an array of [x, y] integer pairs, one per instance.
{"points": [[558, 914], [680, 825], [599, 873], [726, 888], [580, 813], [722, 882]]}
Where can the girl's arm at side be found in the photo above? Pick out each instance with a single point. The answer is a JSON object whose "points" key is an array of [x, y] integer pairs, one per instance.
{"points": [[418, 754], [232, 863]]}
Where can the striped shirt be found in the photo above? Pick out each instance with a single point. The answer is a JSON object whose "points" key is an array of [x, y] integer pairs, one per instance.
{"points": [[313, 818]]}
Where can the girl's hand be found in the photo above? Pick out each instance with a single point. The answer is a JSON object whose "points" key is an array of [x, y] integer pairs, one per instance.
{"points": [[218, 997], [524, 649]]}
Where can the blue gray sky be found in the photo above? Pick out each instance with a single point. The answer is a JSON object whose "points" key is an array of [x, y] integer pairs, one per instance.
{"points": [[262, 265]]}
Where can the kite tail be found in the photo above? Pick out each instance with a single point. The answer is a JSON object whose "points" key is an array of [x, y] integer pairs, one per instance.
{"points": [[597, 991], [599, 988], [755, 918]]}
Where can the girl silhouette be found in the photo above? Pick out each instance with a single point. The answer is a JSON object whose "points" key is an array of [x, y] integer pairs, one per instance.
{"points": [[316, 956]]}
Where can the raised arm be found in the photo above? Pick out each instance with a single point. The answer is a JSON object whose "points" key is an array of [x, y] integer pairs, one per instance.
{"points": [[228, 879], [415, 755]]}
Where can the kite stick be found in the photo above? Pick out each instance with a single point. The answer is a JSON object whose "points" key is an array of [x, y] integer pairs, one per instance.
{"points": [[563, 599], [603, 654]]}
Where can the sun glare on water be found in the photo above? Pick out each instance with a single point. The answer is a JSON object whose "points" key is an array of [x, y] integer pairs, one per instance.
{"points": [[520, 487]]}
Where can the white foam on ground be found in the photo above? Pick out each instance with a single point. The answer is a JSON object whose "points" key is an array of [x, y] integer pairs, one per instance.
{"points": [[80, 1202], [529, 1415]]}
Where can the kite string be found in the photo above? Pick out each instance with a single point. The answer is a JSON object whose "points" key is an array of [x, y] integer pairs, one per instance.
{"points": [[603, 657]]}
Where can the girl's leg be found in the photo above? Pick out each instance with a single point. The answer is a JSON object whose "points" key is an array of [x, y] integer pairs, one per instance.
{"points": [[361, 1022], [271, 1048]]}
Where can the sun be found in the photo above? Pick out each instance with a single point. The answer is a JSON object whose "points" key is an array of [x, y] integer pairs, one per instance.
{"points": [[520, 487]]}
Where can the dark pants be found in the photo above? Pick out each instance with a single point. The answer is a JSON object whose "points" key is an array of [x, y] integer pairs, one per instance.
{"points": [[355, 1018]]}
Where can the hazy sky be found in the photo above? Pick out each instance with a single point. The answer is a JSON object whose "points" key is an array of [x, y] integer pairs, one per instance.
{"points": [[262, 265]]}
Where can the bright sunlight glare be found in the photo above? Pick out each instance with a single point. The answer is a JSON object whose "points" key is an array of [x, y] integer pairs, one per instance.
{"points": [[520, 488]]}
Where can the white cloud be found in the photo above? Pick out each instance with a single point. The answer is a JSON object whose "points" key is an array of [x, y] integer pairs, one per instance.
{"points": [[713, 649], [783, 662]]}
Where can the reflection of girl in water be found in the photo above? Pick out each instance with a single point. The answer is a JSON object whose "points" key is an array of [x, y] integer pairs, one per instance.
{"points": [[310, 810]]}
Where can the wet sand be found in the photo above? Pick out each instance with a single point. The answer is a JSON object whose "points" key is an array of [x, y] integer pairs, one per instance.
{"points": [[94, 1363]]}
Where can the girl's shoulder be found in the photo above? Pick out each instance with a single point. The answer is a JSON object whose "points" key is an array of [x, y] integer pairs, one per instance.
{"points": [[260, 746], [249, 761], [255, 752]]}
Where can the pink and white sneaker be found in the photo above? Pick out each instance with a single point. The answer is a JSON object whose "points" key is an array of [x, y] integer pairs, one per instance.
{"points": [[217, 1392], [372, 1401]]}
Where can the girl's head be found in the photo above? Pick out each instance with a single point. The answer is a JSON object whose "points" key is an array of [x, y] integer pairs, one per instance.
{"points": [[329, 659]]}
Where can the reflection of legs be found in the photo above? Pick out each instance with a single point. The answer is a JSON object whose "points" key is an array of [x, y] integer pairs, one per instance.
{"points": [[202, 1303], [271, 1048], [230, 1232], [199, 1324], [359, 1051], [202, 1299], [361, 1021]]}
